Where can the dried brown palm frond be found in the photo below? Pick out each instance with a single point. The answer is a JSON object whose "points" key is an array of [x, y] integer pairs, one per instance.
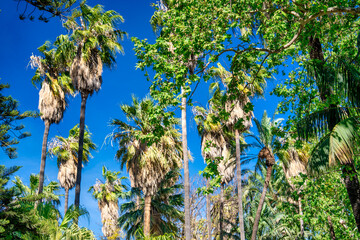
{"points": [[236, 110], [226, 165], [152, 164], [109, 211], [67, 173], [211, 145], [296, 163], [86, 73], [52, 102]]}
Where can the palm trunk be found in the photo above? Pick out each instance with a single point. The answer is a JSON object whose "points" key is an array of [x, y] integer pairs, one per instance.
{"points": [[137, 202], [301, 218], [221, 217], [147, 209], [349, 173], [66, 199], [331, 228], [353, 189], [261, 202], [84, 97], [208, 211], [186, 168], [239, 185], [43, 156]]}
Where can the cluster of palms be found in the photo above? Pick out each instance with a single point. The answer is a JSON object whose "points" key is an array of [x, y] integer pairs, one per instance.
{"points": [[74, 62], [273, 202]]}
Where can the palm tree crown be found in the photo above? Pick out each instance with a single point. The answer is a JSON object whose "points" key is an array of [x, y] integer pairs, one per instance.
{"points": [[147, 162], [146, 165], [107, 195], [66, 151], [98, 42]]}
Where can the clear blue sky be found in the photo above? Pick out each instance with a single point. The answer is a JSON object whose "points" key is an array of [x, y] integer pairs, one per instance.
{"points": [[19, 39]]}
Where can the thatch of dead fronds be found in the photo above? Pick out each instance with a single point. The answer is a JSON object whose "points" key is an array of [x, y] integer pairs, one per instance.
{"points": [[153, 162], [237, 112], [86, 74], [52, 102], [109, 209]]}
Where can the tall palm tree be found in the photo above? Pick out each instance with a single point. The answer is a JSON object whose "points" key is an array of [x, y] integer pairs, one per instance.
{"points": [[147, 162], [66, 151], [238, 87], [265, 142], [53, 74], [166, 207], [97, 41], [214, 147], [273, 223], [212, 141], [107, 195]]}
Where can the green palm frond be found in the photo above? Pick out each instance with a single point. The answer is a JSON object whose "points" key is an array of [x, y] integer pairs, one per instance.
{"points": [[335, 147], [62, 147], [320, 122], [54, 64], [147, 145], [340, 76], [166, 208], [112, 189], [96, 30]]}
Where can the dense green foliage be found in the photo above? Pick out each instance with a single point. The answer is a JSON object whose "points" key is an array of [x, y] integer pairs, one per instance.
{"points": [[305, 183]]}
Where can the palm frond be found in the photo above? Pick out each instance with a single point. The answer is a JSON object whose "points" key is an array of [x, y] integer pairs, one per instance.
{"points": [[335, 147], [320, 122]]}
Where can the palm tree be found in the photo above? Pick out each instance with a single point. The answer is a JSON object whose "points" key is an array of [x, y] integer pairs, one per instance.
{"points": [[107, 195], [273, 223], [147, 163], [236, 100], [336, 125], [214, 147], [66, 151], [53, 74], [97, 41], [166, 207], [265, 142]]}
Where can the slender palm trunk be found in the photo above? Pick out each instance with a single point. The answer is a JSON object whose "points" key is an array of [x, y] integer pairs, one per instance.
{"points": [[186, 168], [137, 202], [352, 185], [208, 211], [301, 218], [43, 156], [84, 97], [66, 200], [147, 209], [221, 217], [331, 228], [239, 185], [261, 202]]}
